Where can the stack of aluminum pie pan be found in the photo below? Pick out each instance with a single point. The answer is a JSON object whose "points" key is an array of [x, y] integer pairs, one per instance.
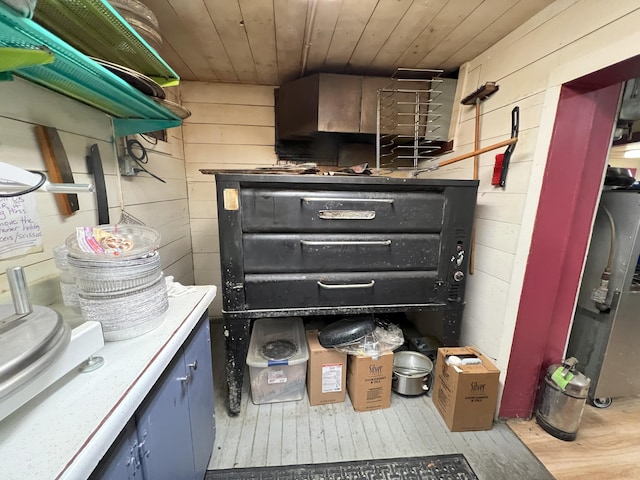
{"points": [[127, 292]]}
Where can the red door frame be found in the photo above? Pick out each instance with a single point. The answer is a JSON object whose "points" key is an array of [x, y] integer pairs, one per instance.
{"points": [[578, 151]]}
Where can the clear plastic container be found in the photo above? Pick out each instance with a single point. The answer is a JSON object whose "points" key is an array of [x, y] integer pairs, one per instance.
{"points": [[137, 8], [144, 241], [277, 360], [69, 290], [68, 285], [24, 7], [142, 20], [60, 257]]}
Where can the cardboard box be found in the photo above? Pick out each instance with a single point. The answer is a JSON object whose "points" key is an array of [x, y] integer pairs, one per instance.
{"points": [[326, 372], [369, 381], [465, 395]]}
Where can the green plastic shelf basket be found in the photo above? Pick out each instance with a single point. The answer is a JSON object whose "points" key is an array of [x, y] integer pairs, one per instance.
{"points": [[75, 75], [97, 29]]}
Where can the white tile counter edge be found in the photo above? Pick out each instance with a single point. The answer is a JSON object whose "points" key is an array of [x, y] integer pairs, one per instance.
{"points": [[65, 431]]}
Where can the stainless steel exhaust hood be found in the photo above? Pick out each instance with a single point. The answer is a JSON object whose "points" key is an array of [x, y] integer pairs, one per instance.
{"points": [[333, 103], [327, 102]]}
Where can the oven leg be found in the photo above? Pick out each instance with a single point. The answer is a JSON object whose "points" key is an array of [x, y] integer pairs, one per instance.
{"points": [[452, 320], [236, 332]]}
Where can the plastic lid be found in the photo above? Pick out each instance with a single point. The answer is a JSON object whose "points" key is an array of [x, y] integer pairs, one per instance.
{"points": [[269, 332], [119, 241], [279, 350]]}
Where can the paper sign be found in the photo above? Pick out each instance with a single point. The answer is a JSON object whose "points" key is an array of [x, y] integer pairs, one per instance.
{"points": [[230, 196], [331, 377], [19, 228]]}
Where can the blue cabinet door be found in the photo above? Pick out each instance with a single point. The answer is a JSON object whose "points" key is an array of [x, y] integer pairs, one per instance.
{"points": [[121, 462], [164, 430], [197, 356]]}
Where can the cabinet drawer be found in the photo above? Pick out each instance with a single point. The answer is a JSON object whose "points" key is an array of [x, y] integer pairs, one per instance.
{"points": [[339, 289], [266, 210], [288, 253]]}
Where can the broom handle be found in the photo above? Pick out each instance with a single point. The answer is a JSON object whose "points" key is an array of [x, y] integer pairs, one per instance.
{"points": [[476, 165], [504, 143], [476, 153], [476, 142]]}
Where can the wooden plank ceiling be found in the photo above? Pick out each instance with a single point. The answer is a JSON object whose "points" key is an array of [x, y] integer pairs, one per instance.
{"points": [[269, 42]]}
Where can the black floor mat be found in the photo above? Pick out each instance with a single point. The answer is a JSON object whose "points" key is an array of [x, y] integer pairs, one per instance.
{"points": [[436, 467]]}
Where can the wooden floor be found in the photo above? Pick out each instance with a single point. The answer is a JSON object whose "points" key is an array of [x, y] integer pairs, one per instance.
{"points": [[607, 445], [293, 433]]}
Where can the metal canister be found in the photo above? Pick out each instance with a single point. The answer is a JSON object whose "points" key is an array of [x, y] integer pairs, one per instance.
{"points": [[563, 400], [411, 373]]}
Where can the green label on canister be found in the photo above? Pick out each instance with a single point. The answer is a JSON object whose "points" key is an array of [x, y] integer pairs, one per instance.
{"points": [[561, 380]]}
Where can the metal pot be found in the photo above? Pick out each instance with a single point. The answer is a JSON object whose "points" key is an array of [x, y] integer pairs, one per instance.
{"points": [[411, 373]]}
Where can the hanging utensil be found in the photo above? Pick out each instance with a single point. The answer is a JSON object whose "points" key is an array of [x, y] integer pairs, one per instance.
{"points": [[476, 98], [94, 165], [58, 167], [501, 166]]}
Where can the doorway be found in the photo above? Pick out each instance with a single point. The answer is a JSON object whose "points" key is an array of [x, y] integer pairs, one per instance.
{"points": [[576, 161]]}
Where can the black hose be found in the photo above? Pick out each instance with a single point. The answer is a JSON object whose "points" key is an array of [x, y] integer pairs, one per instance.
{"points": [[142, 159], [43, 179]]}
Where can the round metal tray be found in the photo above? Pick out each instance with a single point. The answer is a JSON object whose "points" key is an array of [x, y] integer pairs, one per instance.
{"points": [[28, 344], [136, 79]]}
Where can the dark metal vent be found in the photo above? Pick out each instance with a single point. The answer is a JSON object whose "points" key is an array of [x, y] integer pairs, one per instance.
{"points": [[320, 150], [455, 290], [460, 235]]}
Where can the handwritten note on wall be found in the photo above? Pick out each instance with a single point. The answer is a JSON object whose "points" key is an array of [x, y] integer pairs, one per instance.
{"points": [[19, 228]]}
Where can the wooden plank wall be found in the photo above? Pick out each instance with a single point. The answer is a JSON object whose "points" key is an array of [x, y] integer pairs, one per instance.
{"points": [[568, 39], [164, 206], [231, 127], [160, 206]]}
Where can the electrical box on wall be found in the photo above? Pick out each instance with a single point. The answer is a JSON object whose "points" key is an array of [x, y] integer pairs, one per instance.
{"points": [[126, 163], [127, 166]]}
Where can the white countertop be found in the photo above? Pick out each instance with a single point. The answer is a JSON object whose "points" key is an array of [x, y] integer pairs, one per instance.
{"points": [[64, 432]]}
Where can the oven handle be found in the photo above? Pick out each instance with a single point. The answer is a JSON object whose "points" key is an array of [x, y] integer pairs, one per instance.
{"points": [[317, 243], [352, 200], [347, 214], [346, 285]]}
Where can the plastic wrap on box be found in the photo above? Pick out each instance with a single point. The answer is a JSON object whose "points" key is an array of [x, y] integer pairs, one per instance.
{"points": [[385, 338]]}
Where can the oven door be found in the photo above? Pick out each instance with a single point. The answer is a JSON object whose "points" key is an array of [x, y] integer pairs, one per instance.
{"points": [[300, 290]]}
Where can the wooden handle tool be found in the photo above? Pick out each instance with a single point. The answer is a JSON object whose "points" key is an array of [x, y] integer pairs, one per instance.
{"points": [[55, 159]]}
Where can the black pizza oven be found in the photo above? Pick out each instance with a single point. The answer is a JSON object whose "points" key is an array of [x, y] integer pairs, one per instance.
{"points": [[320, 245]]}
